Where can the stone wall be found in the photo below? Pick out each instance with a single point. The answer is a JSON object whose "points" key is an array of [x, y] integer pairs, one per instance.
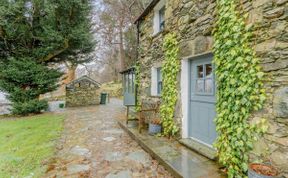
{"points": [[82, 96], [270, 18], [193, 21]]}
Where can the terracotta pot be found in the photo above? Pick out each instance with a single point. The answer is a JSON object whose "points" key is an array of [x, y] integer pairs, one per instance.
{"points": [[257, 170]]}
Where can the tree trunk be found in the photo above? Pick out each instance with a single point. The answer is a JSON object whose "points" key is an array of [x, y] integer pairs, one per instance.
{"points": [[121, 46], [71, 74]]}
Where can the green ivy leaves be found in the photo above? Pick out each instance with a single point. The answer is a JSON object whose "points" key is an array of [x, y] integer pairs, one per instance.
{"points": [[239, 88], [170, 70], [137, 84]]}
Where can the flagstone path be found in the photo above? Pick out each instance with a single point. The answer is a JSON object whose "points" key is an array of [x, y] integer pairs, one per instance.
{"points": [[93, 145]]}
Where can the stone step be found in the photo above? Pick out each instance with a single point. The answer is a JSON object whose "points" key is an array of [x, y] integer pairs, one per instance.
{"points": [[176, 158]]}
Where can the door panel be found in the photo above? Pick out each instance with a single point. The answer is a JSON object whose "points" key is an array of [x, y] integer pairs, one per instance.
{"points": [[202, 101]]}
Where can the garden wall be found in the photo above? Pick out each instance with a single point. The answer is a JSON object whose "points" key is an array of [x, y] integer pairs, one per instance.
{"points": [[82, 97], [83, 91]]}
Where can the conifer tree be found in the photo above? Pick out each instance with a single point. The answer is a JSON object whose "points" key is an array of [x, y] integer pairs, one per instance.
{"points": [[36, 34]]}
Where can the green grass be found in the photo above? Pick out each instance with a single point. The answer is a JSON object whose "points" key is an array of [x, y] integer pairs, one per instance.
{"points": [[26, 142]]}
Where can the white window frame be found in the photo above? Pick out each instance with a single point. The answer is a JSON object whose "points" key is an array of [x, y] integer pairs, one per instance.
{"points": [[157, 8], [154, 80], [159, 75]]}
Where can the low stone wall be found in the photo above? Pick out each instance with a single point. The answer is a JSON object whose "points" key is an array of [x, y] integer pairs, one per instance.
{"points": [[113, 89], [54, 106], [82, 97]]}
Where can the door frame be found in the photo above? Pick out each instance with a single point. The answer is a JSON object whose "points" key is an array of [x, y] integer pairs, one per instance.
{"points": [[185, 85]]}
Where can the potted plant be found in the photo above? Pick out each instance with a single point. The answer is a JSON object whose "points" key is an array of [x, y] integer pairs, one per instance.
{"points": [[155, 126], [259, 170]]}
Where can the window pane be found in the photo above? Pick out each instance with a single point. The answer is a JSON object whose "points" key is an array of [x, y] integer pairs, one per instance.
{"points": [[159, 80], [133, 83], [162, 18], [209, 71], [159, 74], [130, 83], [159, 87], [199, 85], [208, 86], [127, 82], [200, 71]]}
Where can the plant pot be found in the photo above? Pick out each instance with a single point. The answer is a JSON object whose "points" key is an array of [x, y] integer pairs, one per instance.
{"points": [[257, 170], [154, 128]]}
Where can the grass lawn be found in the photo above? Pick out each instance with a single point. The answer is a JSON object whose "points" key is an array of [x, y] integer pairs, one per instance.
{"points": [[26, 142]]}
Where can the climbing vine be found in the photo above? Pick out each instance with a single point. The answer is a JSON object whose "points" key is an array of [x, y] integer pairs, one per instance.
{"points": [[137, 84], [239, 88], [170, 70]]}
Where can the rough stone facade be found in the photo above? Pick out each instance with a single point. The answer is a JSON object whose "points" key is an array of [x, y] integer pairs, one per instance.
{"points": [[193, 21], [82, 92]]}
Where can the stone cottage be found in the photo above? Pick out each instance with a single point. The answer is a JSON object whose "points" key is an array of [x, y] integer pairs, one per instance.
{"points": [[193, 21], [83, 91]]}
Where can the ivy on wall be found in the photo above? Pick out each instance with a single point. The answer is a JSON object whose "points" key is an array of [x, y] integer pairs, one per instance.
{"points": [[137, 84], [170, 70], [239, 88]]}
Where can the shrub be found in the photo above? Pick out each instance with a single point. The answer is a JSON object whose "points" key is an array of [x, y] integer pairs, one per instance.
{"points": [[24, 80], [32, 106]]}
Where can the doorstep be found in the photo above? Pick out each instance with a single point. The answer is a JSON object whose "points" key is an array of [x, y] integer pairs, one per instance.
{"points": [[179, 160], [199, 148]]}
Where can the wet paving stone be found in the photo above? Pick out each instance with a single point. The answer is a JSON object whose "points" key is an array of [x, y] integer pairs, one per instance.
{"points": [[139, 156], [77, 168], [94, 146], [114, 131], [109, 139], [113, 156], [80, 151], [121, 174]]}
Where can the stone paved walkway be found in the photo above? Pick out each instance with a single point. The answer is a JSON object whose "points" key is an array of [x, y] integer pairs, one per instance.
{"points": [[93, 145]]}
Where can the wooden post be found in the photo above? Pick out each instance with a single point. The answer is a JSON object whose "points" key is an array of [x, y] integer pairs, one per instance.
{"points": [[127, 115]]}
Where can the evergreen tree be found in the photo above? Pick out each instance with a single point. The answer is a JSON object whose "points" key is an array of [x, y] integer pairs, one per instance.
{"points": [[25, 80], [35, 34], [47, 31]]}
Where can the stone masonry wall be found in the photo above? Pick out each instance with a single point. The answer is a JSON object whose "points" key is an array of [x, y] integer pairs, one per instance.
{"points": [[82, 97], [193, 21]]}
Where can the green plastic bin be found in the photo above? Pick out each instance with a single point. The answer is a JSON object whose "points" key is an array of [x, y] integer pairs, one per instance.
{"points": [[103, 98]]}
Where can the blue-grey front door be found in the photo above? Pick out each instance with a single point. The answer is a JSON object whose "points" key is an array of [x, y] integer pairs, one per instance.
{"points": [[202, 100]]}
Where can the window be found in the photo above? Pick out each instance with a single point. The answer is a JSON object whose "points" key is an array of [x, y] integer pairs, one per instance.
{"points": [[162, 18], [129, 82], [156, 80], [204, 79], [159, 81], [159, 17], [126, 83]]}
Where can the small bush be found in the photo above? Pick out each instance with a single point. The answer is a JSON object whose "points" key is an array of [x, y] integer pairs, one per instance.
{"points": [[32, 106], [61, 105], [25, 80]]}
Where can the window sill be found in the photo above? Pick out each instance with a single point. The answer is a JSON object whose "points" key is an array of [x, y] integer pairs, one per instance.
{"points": [[155, 35]]}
